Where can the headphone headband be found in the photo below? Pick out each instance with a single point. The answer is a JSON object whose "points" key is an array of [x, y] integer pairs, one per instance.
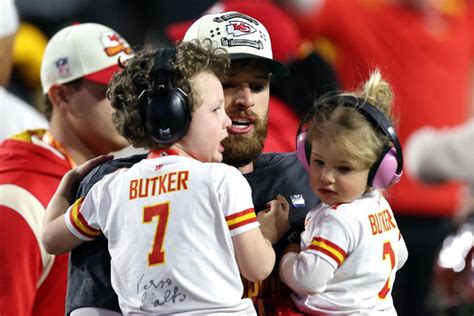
{"points": [[377, 118], [163, 57], [165, 111], [161, 73], [388, 167]]}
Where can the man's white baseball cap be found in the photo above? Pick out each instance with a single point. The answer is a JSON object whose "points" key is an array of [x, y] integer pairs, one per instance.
{"points": [[90, 51], [241, 35], [8, 18]]}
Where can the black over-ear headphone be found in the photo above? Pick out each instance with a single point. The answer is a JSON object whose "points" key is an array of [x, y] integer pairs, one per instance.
{"points": [[166, 112], [388, 167]]}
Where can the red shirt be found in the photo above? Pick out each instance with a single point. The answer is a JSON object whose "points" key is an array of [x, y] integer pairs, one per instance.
{"points": [[282, 127], [31, 282]]}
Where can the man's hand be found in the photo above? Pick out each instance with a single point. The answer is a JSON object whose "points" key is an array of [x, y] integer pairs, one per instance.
{"points": [[274, 219]]}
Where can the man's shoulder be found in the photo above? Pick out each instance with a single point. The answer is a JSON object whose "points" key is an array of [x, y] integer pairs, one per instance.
{"points": [[277, 158], [28, 168], [106, 168], [115, 164], [25, 149], [276, 163]]}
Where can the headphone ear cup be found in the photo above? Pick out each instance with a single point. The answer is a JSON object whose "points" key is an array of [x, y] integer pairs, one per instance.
{"points": [[384, 171], [303, 149], [167, 116]]}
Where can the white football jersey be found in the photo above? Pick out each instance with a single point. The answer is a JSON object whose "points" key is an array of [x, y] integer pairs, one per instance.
{"points": [[170, 222], [361, 241]]}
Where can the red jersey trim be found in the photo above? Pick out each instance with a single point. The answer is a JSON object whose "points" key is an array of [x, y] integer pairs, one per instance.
{"points": [[332, 250], [240, 219], [79, 223]]}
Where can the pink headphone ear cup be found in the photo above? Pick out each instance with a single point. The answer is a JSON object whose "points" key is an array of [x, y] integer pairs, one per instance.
{"points": [[386, 173], [301, 150]]}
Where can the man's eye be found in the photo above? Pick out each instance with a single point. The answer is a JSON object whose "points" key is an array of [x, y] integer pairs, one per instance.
{"points": [[258, 87], [228, 85]]}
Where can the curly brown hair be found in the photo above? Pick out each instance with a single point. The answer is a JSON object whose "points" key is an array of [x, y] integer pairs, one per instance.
{"points": [[126, 86]]}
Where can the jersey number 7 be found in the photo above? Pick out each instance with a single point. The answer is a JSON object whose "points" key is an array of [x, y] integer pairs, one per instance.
{"points": [[160, 211], [387, 251]]}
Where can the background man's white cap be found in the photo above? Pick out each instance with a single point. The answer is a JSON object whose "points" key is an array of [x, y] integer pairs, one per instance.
{"points": [[241, 35], [90, 51], [8, 18]]}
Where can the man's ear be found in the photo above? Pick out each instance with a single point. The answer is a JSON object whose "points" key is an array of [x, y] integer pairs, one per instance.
{"points": [[59, 95]]}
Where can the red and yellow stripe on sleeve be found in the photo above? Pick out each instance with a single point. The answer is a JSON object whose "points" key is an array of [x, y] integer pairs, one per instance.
{"points": [[79, 223], [328, 248], [240, 219]]}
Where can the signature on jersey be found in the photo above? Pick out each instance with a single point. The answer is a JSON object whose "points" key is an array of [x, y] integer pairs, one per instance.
{"points": [[159, 292]]}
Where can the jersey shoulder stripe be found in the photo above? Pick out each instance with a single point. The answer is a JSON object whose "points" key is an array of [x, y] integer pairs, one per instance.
{"points": [[331, 249], [79, 223], [240, 219]]}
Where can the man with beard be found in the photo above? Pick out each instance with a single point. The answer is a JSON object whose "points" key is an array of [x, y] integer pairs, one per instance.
{"points": [[246, 93]]}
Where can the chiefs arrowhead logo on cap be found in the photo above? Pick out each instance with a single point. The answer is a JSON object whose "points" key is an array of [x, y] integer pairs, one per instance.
{"points": [[239, 28], [114, 44]]}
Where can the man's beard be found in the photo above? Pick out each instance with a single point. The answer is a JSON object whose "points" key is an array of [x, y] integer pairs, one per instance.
{"points": [[241, 150]]}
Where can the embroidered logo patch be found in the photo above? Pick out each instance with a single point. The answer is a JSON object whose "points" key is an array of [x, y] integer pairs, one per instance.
{"points": [[297, 200], [239, 28], [114, 44], [62, 65]]}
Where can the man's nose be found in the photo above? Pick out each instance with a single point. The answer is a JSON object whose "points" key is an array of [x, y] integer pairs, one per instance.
{"points": [[244, 97]]}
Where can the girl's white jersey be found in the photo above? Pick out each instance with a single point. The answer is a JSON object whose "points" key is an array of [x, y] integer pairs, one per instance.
{"points": [[170, 222], [363, 244]]}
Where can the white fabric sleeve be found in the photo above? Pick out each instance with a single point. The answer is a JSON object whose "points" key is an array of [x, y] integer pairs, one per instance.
{"points": [[439, 155], [305, 273], [333, 234], [235, 196], [82, 217]]}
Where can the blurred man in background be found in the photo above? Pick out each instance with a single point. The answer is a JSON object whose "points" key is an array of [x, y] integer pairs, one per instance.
{"points": [[15, 114], [77, 65]]}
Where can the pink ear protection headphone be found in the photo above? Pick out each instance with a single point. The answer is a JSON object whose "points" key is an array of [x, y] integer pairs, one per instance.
{"points": [[388, 168]]}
